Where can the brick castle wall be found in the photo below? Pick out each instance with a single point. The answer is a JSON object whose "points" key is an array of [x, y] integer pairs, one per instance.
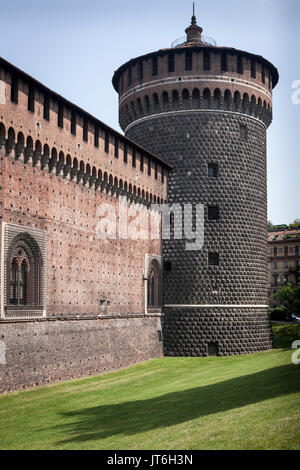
{"points": [[54, 180]]}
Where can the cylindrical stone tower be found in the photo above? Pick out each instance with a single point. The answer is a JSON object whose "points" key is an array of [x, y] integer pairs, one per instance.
{"points": [[205, 109]]}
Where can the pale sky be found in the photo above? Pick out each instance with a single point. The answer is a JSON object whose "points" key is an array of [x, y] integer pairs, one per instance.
{"points": [[74, 46]]}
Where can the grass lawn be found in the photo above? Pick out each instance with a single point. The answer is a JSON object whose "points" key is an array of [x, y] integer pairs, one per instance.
{"points": [[240, 402]]}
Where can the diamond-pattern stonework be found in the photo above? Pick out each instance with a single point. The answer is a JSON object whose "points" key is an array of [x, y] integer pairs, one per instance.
{"points": [[190, 142]]}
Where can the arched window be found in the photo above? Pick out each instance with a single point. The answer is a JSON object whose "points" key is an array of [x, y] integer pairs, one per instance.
{"points": [[13, 282], [253, 105], [53, 160], [175, 99], [24, 272], [45, 157], [206, 98], [227, 100], [11, 139], [245, 103], [196, 98], [147, 104], [133, 111], [217, 98], [165, 99], [153, 286], [237, 101], [155, 102], [139, 107], [185, 99], [19, 148], [29, 147], [23, 284]]}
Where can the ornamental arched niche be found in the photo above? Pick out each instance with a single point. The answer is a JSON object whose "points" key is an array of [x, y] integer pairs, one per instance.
{"points": [[24, 270], [154, 287]]}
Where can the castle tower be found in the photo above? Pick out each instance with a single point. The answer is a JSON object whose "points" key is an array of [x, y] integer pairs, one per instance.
{"points": [[205, 110]]}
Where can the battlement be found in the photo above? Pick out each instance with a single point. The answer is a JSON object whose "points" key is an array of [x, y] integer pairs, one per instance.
{"points": [[195, 77], [40, 126]]}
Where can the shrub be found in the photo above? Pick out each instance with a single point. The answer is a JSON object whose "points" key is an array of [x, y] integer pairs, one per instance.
{"points": [[285, 335], [280, 314]]}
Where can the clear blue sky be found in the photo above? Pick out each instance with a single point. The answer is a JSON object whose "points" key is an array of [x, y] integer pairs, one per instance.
{"points": [[74, 46]]}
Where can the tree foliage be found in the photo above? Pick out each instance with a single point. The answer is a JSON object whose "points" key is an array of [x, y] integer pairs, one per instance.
{"points": [[289, 297]]}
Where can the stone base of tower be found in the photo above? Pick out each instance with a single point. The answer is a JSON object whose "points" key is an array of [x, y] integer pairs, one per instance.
{"points": [[220, 332]]}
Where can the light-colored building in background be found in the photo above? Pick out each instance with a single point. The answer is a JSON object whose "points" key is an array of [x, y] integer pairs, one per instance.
{"points": [[283, 259]]}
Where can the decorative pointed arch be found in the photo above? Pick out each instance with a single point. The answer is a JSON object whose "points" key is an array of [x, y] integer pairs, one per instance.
{"points": [[24, 269], [153, 284]]}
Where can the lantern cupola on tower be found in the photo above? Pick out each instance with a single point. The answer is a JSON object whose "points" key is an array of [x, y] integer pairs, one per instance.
{"points": [[193, 32]]}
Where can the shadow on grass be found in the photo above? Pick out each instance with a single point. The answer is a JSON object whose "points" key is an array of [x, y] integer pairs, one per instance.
{"points": [[131, 417]]}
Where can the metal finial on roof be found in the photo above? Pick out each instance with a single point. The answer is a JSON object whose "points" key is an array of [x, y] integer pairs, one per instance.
{"points": [[194, 21]]}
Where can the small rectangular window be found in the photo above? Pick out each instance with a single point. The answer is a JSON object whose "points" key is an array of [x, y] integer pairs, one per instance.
{"points": [[171, 63], [224, 67], [85, 130], [60, 116], [253, 69], [275, 279], [142, 162], [73, 122], [213, 170], [46, 107], [188, 60], [275, 251], [96, 136], [31, 99], [213, 213], [286, 264], [243, 132], [213, 259], [141, 71], [133, 157], [149, 166], [297, 250], [286, 251], [106, 143], [167, 265], [240, 65], [263, 74], [125, 156], [212, 349], [162, 174], [275, 264], [14, 91], [206, 60], [116, 147], [154, 66]]}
